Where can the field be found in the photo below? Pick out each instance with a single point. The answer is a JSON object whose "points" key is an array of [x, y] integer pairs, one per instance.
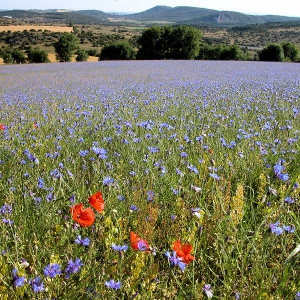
{"points": [[150, 180]]}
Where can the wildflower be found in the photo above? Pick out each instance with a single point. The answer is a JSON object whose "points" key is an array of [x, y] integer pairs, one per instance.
{"points": [[276, 229], [37, 284], [119, 247], [289, 200], [18, 280], [207, 290], [137, 243], [108, 180], [2, 127], [133, 208], [83, 152], [297, 297], [196, 212], [115, 285], [175, 260], [41, 183], [100, 152], [97, 202], [183, 251], [73, 267], [7, 221], [214, 176], [52, 270], [6, 209], [82, 241], [173, 217], [150, 196], [196, 188], [288, 228], [85, 217]]}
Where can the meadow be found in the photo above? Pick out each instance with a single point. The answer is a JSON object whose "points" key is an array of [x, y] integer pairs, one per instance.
{"points": [[150, 180]]}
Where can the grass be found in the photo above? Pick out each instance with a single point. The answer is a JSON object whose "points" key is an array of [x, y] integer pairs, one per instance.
{"points": [[205, 153]]}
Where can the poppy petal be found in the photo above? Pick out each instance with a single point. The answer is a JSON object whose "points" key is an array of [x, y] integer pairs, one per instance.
{"points": [[85, 217], [97, 202]]}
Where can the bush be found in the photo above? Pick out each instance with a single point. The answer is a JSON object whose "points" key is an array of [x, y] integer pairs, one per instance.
{"points": [[37, 55], [117, 51]]}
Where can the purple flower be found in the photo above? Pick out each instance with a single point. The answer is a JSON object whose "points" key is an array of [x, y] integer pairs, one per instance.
{"points": [[7, 221], [214, 176], [52, 270], [37, 284], [284, 177], [175, 261], [100, 152], [289, 200], [119, 247], [133, 208], [73, 267], [6, 209], [108, 180], [207, 290], [83, 152], [288, 228], [82, 241], [150, 196], [115, 285], [276, 229], [297, 296], [17, 280], [40, 183]]}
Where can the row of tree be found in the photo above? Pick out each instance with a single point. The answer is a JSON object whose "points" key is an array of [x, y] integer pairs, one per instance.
{"points": [[158, 42]]}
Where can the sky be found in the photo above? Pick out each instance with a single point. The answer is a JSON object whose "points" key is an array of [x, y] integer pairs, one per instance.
{"points": [[283, 8]]}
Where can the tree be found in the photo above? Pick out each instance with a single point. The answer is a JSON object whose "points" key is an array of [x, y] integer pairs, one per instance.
{"points": [[37, 55], [166, 42], [272, 52], [291, 51], [184, 43], [117, 51], [82, 55], [65, 47]]}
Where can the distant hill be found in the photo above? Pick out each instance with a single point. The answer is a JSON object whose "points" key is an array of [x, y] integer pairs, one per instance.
{"points": [[158, 14]]}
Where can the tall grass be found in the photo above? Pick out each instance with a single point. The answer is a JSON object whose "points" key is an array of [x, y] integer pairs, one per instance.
{"points": [[205, 153]]}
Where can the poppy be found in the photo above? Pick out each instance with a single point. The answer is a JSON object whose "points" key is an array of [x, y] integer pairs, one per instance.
{"points": [[85, 217], [2, 127], [137, 243], [183, 251], [97, 202]]}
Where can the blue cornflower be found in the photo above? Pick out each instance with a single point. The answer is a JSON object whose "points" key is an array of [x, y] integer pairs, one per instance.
{"points": [[175, 261], [214, 176], [56, 173], [150, 196], [108, 180], [73, 267], [83, 152], [40, 183], [100, 152], [275, 228], [37, 284], [288, 228], [284, 177], [52, 270], [6, 209], [297, 296], [119, 247], [133, 208], [121, 198], [115, 285], [82, 241], [7, 221], [192, 168], [18, 281], [289, 200]]}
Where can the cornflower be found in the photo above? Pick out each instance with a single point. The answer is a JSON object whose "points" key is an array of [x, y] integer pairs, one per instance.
{"points": [[37, 284], [52, 270], [82, 241], [73, 267], [115, 285], [175, 260]]}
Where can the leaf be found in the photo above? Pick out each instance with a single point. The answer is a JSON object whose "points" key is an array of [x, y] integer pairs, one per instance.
{"points": [[293, 253]]}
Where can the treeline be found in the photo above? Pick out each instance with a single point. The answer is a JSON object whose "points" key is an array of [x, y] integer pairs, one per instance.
{"points": [[155, 43]]}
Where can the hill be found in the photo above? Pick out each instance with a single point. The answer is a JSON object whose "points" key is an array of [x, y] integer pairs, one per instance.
{"points": [[158, 14]]}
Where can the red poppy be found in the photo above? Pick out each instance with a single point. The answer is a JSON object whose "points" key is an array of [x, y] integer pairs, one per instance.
{"points": [[2, 127], [183, 251], [137, 243], [85, 217], [97, 202]]}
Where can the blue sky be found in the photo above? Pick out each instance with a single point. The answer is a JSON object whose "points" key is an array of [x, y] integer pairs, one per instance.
{"points": [[284, 8]]}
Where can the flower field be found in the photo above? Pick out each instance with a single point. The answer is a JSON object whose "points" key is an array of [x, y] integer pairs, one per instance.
{"points": [[150, 180]]}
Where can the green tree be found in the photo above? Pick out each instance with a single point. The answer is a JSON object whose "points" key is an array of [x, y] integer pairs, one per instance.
{"points": [[37, 55], [82, 55], [291, 51], [150, 44], [117, 51], [185, 43], [65, 47], [272, 52]]}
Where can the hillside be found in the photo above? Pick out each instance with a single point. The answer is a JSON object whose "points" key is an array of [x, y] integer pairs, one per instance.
{"points": [[158, 14]]}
